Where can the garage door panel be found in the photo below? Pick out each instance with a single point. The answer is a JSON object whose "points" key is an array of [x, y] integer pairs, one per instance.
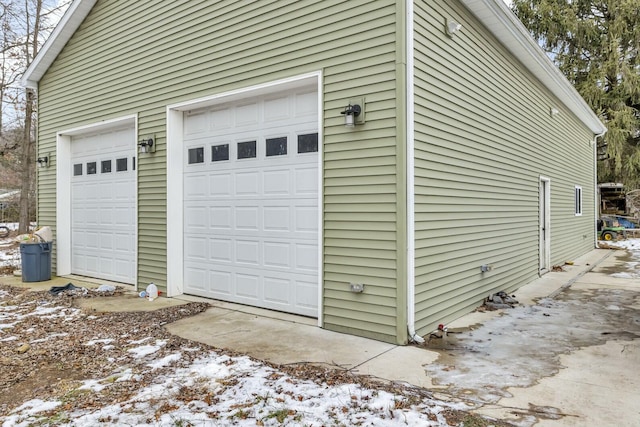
{"points": [[106, 242], [277, 182], [248, 286], [247, 252], [277, 218], [277, 254], [220, 185], [103, 219], [277, 290], [196, 276], [221, 250], [254, 199], [220, 217], [220, 283], [246, 184], [306, 220], [306, 257], [196, 248], [306, 181]]}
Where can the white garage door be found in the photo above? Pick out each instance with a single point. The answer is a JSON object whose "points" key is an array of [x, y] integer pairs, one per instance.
{"points": [[103, 199], [251, 202]]}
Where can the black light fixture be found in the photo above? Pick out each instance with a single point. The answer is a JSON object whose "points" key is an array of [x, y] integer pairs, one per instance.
{"points": [[350, 113], [43, 161], [147, 145]]}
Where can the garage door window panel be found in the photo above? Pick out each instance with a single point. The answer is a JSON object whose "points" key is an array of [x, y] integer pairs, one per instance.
{"points": [[121, 165], [276, 146], [247, 150], [220, 153], [91, 168], [308, 143], [196, 155], [77, 169], [105, 166]]}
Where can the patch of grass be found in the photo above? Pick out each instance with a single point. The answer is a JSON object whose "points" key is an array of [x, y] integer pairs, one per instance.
{"points": [[280, 415], [475, 421], [74, 394], [240, 414], [181, 422]]}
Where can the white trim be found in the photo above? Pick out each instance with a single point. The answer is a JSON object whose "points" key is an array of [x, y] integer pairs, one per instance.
{"points": [[175, 171], [320, 200], [63, 187], [411, 250], [175, 201], [544, 264], [596, 198], [71, 20]]}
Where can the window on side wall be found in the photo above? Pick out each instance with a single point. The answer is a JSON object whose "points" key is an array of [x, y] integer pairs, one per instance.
{"points": [[578, 200]]}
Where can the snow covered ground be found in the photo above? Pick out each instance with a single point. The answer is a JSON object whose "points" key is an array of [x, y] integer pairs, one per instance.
{"points": [[158, 380], [190, 384]]}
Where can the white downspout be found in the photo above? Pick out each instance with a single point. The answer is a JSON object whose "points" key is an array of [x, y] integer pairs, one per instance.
{"points": [[411, 250], [595, 186]]}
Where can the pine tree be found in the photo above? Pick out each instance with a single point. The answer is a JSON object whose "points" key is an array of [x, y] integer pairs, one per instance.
{"points": [[596, 45]]}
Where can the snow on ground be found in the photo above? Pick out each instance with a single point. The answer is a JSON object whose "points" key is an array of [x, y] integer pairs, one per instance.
{"points": [[499, 351], [195, 385], [632, 267]]}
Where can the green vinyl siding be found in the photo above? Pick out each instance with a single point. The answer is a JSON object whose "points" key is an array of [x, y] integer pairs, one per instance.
{"points": [[138, 57], [483, 137]]}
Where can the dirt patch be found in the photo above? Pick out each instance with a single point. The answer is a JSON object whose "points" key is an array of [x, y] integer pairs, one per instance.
{"points": [[55, 349], [46, 380]]}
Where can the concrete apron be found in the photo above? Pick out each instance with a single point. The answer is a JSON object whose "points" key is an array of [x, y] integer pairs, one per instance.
{"points": [[597, 385]]}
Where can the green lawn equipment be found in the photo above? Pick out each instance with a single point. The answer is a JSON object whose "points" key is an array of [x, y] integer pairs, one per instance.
{"points": [[609, 229]]}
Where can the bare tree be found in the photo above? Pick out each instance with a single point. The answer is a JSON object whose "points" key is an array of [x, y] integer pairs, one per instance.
{"points": [[25, 24]]}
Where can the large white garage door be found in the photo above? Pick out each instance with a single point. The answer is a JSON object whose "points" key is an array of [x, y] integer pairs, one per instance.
{"points": [[251, 202], [103, 200]]}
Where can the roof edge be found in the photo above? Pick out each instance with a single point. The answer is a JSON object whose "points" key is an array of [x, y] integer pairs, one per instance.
{"points": [[501, 22], [62, 33], [513, 35]]}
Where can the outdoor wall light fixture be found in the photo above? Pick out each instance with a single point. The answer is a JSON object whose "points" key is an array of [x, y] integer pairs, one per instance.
{"points": [[43, 161], [452, 27], [351, 112], [147, 145]]}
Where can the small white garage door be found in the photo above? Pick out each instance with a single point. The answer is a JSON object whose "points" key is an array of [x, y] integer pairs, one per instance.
{"points": [[103, 200], [251, 202]]}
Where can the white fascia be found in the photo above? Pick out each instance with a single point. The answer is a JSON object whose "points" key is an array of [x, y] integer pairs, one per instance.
{"points": [[62, 33], [496, 16]]}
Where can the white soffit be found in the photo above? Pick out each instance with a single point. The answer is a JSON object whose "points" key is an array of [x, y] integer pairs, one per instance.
{"points": [[71, 20], [496, 16]]}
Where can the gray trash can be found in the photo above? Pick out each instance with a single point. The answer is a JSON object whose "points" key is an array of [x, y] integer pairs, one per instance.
{"points": [[36, 261]]}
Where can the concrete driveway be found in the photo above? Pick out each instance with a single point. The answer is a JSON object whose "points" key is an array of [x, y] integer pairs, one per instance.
{"points": [[568, 360], [569, 355]]}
